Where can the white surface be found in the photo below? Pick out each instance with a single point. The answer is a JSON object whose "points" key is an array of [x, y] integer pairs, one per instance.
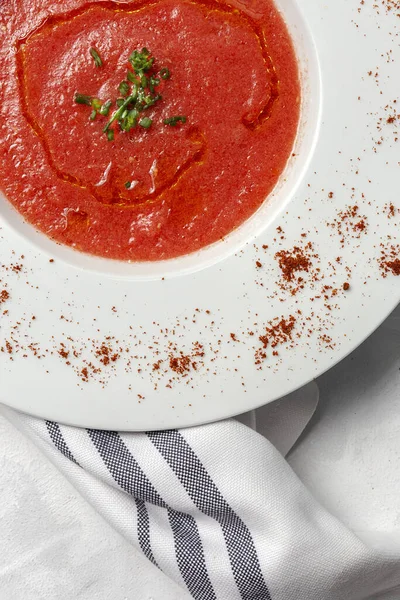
{"points": [[228, 289], [348, 457]]}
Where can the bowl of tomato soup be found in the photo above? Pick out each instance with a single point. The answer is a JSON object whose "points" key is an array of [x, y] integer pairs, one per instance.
{"points": [[153, 138]]}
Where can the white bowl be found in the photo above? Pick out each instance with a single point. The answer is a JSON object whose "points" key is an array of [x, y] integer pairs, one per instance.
{"points": [[274, 204]]}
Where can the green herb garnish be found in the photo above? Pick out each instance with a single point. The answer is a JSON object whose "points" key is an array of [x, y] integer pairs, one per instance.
{"points": [[105, 109], [137, 93], [129, 121], [96, 104], [173, 121], [128, 185], [124, 88], [145, 122], [82, 99], [118, 113], [164, 73], [141, 61], [131, 77], [153, 82], [96, 57]]}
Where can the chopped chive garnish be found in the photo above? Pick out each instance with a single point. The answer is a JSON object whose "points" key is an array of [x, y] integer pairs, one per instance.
{"points": [[96, 57], [153, 82], [118, 113], [164, 73], [124, 88], [82, 99], [137, 93], [134, 91], [173, 121], [96, 104], [141, 61], [128, 185], [148, 101], [130, 121], [145, 122], [105, 109]]}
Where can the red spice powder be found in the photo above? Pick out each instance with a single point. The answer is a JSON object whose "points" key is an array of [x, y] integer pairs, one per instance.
{"points": [[391, 6], [391, 210], [360, 226], [4, 295], [182, 364], [106, 354], [326, 341], [63, 352], [394, 266], [291, 261], [278, 333], [350, 224], [389, 261]]}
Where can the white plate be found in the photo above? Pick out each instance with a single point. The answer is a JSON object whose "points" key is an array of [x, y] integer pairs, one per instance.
{"points": [[80, 301]]}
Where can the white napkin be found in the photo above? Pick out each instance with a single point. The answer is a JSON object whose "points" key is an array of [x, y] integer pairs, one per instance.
{"points": [[218, 509]]}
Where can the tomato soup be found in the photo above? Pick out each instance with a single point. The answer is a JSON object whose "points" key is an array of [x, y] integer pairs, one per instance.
{"points": [[144, 130]]}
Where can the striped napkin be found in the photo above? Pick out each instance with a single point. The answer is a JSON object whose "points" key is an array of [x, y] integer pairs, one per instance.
{"points": [[218, 509]]}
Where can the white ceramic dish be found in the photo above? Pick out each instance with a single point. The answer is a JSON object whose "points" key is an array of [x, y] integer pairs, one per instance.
{"points": [[79, 301]]}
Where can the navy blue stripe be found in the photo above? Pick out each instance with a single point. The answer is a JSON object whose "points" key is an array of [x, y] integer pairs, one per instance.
{"points": [[59, 441], [130, 477], [190, 556], [143, 528], [123, 467], [206, 496]]}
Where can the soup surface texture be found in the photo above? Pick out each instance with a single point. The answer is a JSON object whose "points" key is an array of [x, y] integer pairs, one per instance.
{"points": [[157, 190]]}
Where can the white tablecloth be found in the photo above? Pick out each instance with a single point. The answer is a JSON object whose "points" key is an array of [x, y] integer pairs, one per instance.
{"points": [[53, 546]]}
